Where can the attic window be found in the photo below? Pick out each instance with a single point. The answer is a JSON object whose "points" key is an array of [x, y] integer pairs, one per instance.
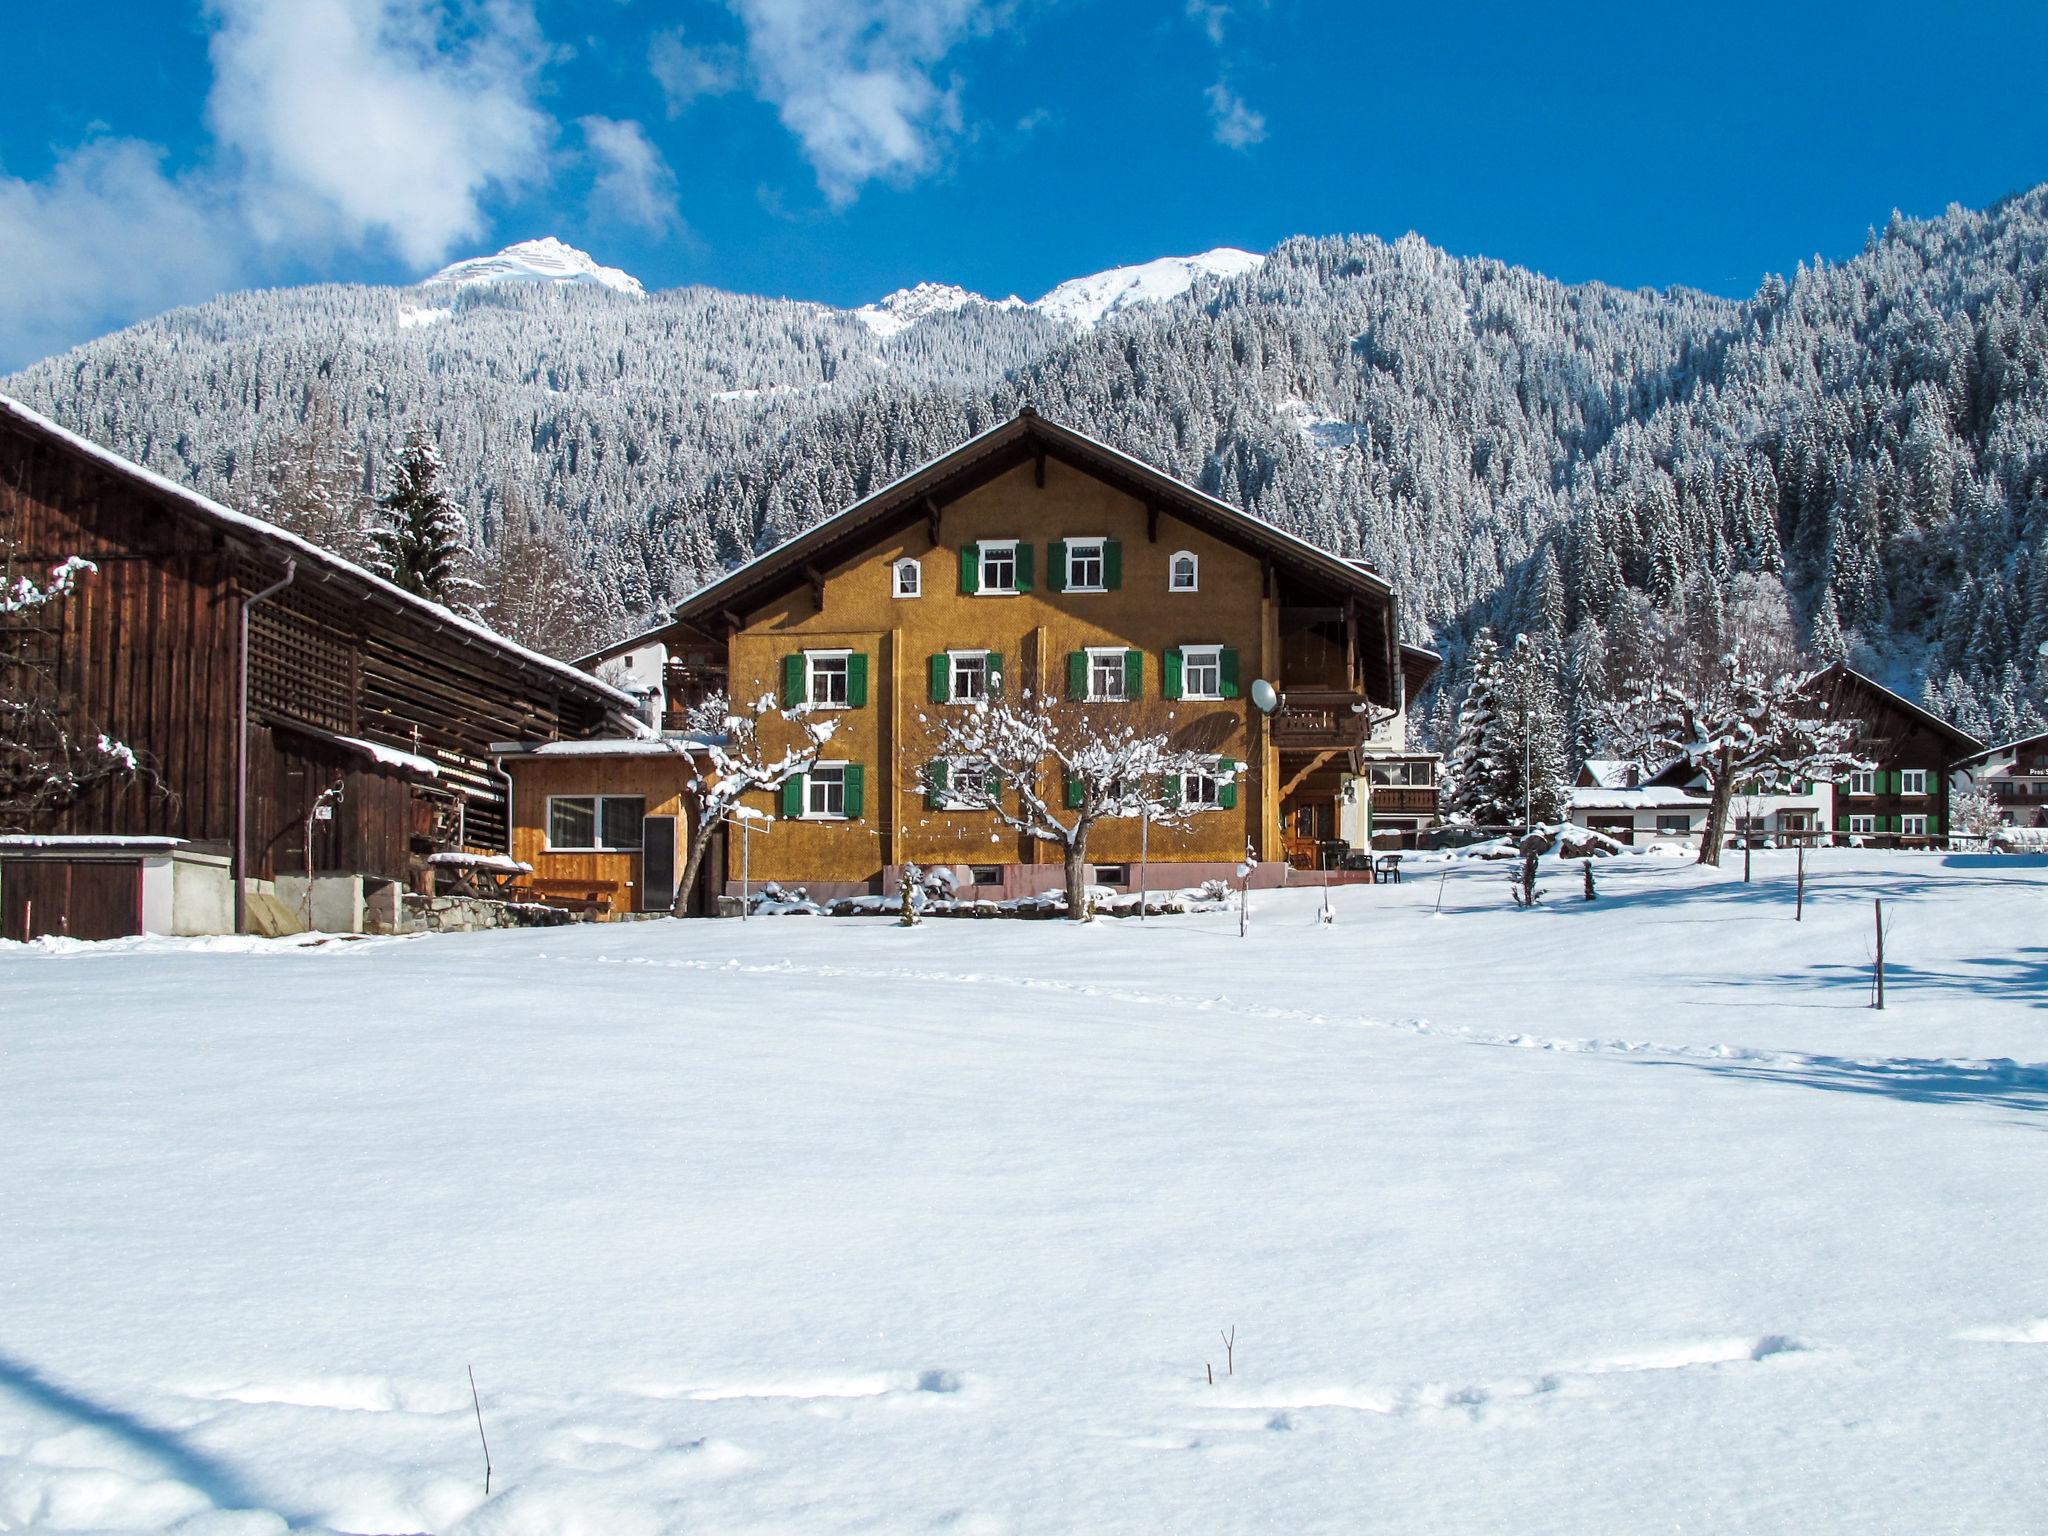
{"points": [[1182, 572], [909, 578]]}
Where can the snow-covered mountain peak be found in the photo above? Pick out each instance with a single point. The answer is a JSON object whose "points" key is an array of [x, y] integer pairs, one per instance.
{"points": [[546, 260], [1085, 302], [906, 306]]}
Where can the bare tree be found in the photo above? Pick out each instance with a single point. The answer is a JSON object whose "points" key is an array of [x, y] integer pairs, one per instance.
{"points": [[49, 759], [309, 481], [728, 760], [1052, 768], [534, 589]]}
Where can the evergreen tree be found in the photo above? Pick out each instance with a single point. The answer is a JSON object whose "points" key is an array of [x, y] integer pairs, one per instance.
{"points": [[1475, 780], [421, 542], [1531, 735]]}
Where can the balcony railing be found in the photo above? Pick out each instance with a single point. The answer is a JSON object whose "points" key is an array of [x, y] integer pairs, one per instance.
{"points": [[1321, 721], [1405, 799]]}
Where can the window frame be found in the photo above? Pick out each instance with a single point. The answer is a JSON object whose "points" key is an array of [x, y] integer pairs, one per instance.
{"points": [[1906, 827], [1683, 829], [1194, 571], [982, 547], [811, 659], [953, 674], [1210, 775], [907, 563], [1103, 655], [1869, 829], [1214, 658], [810, 782], [975, 871], [597, 804], [1907, 776], [1099, 544], [1110, 874], [954, 767], [1866, 778]]}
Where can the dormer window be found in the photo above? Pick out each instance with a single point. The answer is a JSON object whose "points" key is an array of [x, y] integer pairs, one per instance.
{"points": [[909, 578], [1183, 572]]}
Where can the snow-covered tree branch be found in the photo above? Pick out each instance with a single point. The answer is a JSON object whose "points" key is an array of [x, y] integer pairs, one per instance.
{"points": [[729, 759], [1052, 769]]}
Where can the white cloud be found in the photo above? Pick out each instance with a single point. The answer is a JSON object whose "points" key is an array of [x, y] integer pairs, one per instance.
{"points": [[686, 73], [1211, 16], [106, 237], [1235, 125], [852, 80], [387, 118], [634, 181]]}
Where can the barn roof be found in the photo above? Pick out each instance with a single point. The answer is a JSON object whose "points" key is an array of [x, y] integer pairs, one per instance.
{"points": [[1963, 745], [203, 509]]}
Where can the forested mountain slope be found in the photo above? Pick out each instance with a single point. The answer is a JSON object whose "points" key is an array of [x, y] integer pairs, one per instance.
{"points": [[1564, 460]]}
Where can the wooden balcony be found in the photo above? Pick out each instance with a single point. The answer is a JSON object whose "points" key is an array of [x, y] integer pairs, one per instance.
{"points": [[1404, 799], [1319, 721]]}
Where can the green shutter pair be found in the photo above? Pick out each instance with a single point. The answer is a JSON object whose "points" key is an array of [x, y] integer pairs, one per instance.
{"points": [[1056, 565], [796, 683], [1173, 671], [856, 794], [970, 568], [941, 671]]}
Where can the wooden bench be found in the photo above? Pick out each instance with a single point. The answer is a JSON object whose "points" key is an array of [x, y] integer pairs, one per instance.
{"points": [[594, 896]]}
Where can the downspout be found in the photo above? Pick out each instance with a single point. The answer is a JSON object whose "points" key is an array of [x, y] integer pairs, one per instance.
{"points": [[511, 827], [291, 570]]}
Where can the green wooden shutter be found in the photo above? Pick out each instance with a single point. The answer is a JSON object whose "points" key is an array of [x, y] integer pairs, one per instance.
{"points": [[1170, 791], [992, 676], [1226, 792], [1228, 669], [1934, 824], [970, 569], [793, 681], [1056, 566], [942, 678], [855, 777], [1112, 563], [1024, 565], [1134, 674], [856, 681], [1889, 782], [793, 797], [1073, 793], [1077, 674], [1842, 822], [1169, 673], [935, 785]]}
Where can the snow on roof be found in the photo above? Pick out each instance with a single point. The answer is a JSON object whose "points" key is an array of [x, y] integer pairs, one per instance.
{"points": [[1648, 797], [391, 757], [606, 746], [304, 550], [1611, 772], [497, 863], [87, 840]]}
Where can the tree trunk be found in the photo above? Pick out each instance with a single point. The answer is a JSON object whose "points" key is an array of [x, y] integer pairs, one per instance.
{"points": [[693, 861], [1077, 876], [1717, 811]]}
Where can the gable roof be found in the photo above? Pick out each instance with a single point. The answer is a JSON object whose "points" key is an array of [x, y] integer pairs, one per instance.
{"points": [[190, 503], [1962, 744], [1020, 440]]}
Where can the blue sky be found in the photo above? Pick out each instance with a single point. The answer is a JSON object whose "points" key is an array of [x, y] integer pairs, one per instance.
{"points": [[154, 152]]}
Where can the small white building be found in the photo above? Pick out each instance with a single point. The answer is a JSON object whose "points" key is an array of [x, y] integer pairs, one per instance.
{"points": [[1633, 805]]}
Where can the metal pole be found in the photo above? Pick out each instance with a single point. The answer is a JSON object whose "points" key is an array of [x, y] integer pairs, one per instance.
{"points": [[241, 850], [1526, 819], [1144, 855], [1878, 902], [1799, 900], [746, 864]]}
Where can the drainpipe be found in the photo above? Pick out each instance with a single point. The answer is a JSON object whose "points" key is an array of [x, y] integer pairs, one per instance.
{"points": [[291, 569], [511, 829]]}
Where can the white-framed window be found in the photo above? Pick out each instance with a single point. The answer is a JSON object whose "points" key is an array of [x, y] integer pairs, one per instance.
{"points": [[1106, 675], [907, 579], [998, 565], [1862, 824], [825, 792], [1202, 789], [1201, 671], [595, 823], [969, 678], [1086, 568], [967, 785], [1183, 571], [1862, 781], [984, 874], [1913, 781], [1913, 826], [1674, 826], [826, 677]]}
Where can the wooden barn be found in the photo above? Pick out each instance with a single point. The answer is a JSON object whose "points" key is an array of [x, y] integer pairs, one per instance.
{"points": [[365, 715]]}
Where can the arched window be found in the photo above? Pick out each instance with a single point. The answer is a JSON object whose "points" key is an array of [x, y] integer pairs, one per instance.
{"points": [[1182, 572], [909, 580]]}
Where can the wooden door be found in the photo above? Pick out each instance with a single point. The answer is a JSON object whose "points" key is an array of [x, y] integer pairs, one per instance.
{"points": [[81, 899]]}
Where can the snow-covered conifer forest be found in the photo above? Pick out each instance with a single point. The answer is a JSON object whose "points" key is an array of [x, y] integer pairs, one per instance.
{"points": [[1583, 464]]}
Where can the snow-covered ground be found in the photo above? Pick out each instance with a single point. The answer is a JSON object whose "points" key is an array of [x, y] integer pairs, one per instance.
{"points": [[1620, 1217]]}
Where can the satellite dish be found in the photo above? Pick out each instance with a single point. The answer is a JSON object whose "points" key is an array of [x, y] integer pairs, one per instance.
{"points": [[1264, 697]]}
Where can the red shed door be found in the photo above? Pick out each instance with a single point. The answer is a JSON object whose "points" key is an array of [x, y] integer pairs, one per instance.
{"points": [[79, 898]]}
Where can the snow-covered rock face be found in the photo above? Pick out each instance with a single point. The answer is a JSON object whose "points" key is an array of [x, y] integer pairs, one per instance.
{"points": [[546, 260], [906, 306], [1082, 302], [1086, 302]]}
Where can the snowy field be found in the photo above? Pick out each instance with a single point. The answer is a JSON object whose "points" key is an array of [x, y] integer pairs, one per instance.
{"points": [[1613, 1218]]}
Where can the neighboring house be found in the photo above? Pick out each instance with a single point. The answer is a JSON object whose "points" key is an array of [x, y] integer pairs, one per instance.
{"points": [[1635, 807], [1041, 557], [1394, 795], [349, 681], [2015, 775], [1902, 799]]}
